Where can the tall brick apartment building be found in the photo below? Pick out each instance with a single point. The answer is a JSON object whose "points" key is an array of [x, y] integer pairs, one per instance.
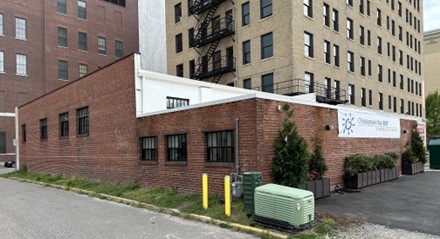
{"points": [[367, 53], [45, 44]]}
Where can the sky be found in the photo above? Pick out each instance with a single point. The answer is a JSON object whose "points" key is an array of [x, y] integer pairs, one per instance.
{"points": [[431, 11]]}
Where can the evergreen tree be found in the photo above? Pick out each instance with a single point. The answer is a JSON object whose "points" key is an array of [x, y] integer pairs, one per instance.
{"points": [[289, 165], [317, 165], [417, 146]]}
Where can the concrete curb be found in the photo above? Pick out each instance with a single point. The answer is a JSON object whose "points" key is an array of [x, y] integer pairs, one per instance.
{"points": [[170, 211]]}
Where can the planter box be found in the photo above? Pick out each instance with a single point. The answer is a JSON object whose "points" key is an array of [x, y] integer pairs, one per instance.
{"points": [[361, 180], [413, 168], [319, 188]]}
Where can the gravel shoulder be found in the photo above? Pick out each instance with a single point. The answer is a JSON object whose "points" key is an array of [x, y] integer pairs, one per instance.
{"points": [[373, 231]]}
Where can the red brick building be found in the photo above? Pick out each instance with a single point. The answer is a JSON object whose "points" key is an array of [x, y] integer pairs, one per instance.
{"points": [[45, 44], [109, 138]]}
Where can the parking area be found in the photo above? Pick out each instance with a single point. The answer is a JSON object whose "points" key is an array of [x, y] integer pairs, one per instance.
{"points": [[411, 203]]}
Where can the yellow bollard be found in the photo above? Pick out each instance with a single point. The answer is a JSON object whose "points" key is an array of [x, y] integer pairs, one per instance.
{"points": [[205, 190], [227, 196]]}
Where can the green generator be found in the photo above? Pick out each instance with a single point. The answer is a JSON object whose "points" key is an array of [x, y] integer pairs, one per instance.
{"points": [[284, 207]]}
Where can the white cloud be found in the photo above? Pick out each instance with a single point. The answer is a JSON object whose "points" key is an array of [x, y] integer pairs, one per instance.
{"points": [[431, 14]]}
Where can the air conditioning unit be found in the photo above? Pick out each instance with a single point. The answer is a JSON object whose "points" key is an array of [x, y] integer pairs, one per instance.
{"points": [[284, 207]]}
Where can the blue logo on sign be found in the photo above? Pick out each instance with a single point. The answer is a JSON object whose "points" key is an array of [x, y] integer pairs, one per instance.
{"points": [[348, 124]]}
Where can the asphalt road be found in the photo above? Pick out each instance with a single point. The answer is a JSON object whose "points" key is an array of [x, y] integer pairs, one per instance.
{"points": [[32, 211], [410, 203]]}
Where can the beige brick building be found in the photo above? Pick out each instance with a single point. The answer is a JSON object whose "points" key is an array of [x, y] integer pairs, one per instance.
{"points": [[431, 58], [363, 52]]}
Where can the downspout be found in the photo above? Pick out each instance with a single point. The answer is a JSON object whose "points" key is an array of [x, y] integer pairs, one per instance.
{"points": [[237, 165], [17, 142]]}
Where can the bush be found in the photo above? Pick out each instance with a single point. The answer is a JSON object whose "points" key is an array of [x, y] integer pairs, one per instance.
{"points": [[408, 156], [358, 163], [384, 161], [317, 166]]}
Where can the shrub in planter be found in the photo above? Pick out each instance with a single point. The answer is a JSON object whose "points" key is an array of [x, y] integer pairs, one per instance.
{"points": [[317, 167], [410, 163]]}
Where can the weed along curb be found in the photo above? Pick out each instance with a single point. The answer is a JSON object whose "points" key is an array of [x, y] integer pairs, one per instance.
{"points": [[173, 212]]}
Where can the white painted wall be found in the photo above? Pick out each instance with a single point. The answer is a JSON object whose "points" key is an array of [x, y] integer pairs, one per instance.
{"points": [[152, 35]]}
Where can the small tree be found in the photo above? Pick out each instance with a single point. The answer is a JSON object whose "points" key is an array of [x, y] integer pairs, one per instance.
{"points": [[289, 165], [417, 146], [433, 114], [317, 166]]}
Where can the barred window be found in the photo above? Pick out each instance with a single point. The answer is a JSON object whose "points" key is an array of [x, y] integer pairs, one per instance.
{"points": [[82, 116], [173, 102], [149, 148], [64, 124], [220, 146], [176, 147], [43, 128]]}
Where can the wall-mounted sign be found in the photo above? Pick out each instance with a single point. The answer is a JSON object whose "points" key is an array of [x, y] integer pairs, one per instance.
{"points": [[354, 124]]}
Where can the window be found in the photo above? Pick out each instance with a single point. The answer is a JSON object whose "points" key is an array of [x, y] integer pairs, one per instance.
{"points": [[266, 46], [173, 102], [361, 6], [390, 102], [21, 64], [400, 33], [368, 37], [380, 101], [362, 35], [247, 84], [351, 94], [246, 52], [369, 68], [394, 53], [23, 133], [245, 14], [149, 148], [368, 7], [266, 8], [349, 28], [63, 70], [62, 37], [308, 82], [401, 82], [64, 124], [362, 61], [43, 128], [82, 41], [349, 3], [82, 10], [118, 49], [192, 69], [267, 83], [335, 18], [336, 55], [179, 45], [402, 106], [326, 12], [363, 97], [117, 2], [191, 37], [308, 44], [61, 6], [379, 73], [179, 70], [379, 45], [177, 12], [308, 8], [216, 60], [401, 57], [327, 87], [82, 116], [220, 146], [379, 17], [83, 70], [394, 79], [350, 61], [370, 97], [102, 48], [20, 28], [327, 52], [176, 147], [337, 87], [1, 24], [399, 8], [2, 61]]}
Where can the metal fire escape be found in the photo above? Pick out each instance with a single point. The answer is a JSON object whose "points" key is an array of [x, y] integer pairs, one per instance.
{"points": [[210, 30]]}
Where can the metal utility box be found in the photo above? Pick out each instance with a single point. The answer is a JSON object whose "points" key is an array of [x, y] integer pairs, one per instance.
{"points": [[434, 153], [281, 205], [251, 180]]}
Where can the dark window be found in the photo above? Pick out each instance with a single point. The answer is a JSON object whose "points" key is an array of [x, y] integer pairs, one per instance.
{"points": [[335, 18], [266, 8], [308, 44], [220, 146], [363, 97], [176, 147], [179, 70], [102, 49], [368, 7], [379, 45], [362, 35], [337, 88], [61, 6], [394, 104], [82, 10], [402, 106], [361, 6], [326, 13], [192, 69], [245, 14], [266, 45], [62, 37], [363, 66], [23, 133], [370, 97], [379, 17], [82, 116], [82, 41], [308, 8], [327, 52], [309, 82], [351, 94], [191, 37], [177, 12], [179, 45], [247, 84], [349, 3], [190, 5], [369, 68], [379, 73], [43, 128], [117, 2], [118, 49], [369, 37], [350, 28], [216, 60], [246, 52], [64, 124], [173, 102], [380, 101], [149, 148], [350, 61], [2, 142], [63, 70], [336, 55], [267, 83]]}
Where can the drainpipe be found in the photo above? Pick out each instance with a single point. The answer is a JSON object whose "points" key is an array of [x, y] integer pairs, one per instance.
{"points": [[237, 166], [17, 149]]}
